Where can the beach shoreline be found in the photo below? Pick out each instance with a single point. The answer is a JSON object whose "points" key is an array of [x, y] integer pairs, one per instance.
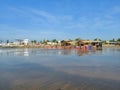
{"points": [[52, 46]]}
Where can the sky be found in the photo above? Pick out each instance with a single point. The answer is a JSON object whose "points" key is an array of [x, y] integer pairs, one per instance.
{"points": [[60, 19]]}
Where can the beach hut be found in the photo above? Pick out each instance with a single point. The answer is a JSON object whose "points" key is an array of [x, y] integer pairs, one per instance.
{"points": [[66, 43], [98, 44], [82, 42]]}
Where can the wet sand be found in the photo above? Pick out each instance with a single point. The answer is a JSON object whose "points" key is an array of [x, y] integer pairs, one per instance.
{"points": [[43, 69]]}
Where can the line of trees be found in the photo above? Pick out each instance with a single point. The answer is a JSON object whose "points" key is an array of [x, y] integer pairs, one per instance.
{"points": [[113, 40], [44, 41], [7, 41], [56, 41]]}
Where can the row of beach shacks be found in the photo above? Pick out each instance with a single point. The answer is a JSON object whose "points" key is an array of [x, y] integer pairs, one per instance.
{"points": [[96, 44], [79, 43]]}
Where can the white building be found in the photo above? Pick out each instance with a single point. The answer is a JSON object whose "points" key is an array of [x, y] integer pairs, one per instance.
{"points": [[52, 43], [21, 42], [25, 41]]}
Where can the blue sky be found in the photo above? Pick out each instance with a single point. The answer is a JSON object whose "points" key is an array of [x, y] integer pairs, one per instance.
{"points": [[60, 19]]}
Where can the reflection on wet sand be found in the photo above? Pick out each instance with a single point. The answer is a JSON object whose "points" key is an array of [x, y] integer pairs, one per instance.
{"points": [[16, 52], [27, 52], [37, 77], [44, 69]]}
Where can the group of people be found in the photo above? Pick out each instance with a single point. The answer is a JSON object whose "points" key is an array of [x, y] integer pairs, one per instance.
{"points": [[83, 48]]}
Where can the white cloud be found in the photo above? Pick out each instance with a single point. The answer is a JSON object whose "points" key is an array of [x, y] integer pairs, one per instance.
{"points": [[36, 16]]}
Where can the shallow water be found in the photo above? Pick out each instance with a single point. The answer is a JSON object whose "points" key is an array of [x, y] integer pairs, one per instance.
{"points": [[43, 69]]}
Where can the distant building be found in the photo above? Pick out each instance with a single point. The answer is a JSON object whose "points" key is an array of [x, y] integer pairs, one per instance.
{"points": [[52, 43], [17, 42], [21, 42], [113, 43], [25, 41]]}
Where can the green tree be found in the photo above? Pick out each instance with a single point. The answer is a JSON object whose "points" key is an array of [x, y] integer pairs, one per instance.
{"points": [[113, 40], [47, 40], [7, 41], [41, 41], [34, 41], [118, 39], [77, 39], [55, 41], [70, 40], [1, 41], [44, 41], [104, 41], [97, 39]]}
